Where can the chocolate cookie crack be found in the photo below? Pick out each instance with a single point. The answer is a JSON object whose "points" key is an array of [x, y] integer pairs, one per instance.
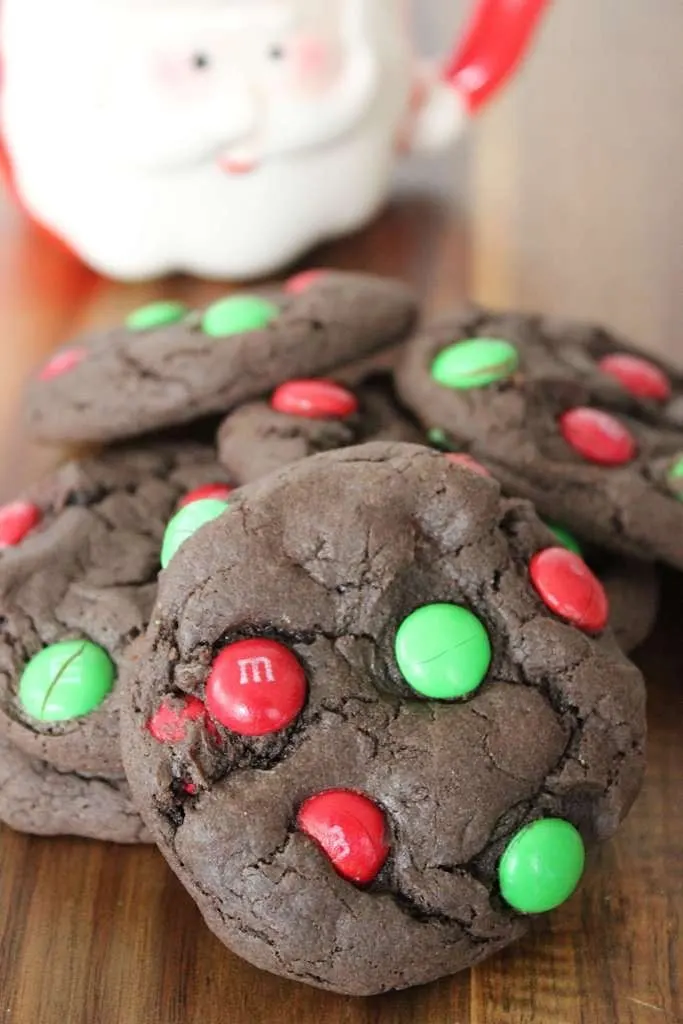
{"points": [[139, 369]]}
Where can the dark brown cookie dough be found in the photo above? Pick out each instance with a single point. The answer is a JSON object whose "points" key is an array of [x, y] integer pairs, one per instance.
{"points": [[633, 587], [36, 798], [623, 376], [612, 478], [326, 560], [257, 438], [363, 371], [87, 570], [170, 365], [634, 591], [619, 376]]}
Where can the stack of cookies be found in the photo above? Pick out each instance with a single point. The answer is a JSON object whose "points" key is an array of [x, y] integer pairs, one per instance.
{"points": [[374, 710]]}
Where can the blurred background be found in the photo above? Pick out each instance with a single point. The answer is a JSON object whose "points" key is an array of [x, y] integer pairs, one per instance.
{"points": [[572, 179]]}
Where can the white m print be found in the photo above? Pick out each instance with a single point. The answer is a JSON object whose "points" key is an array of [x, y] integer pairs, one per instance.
{"points": [[256, 670], [338, 842]]}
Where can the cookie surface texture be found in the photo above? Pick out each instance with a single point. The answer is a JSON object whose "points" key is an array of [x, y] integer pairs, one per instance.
{"points": [[263, 436], [589, 453], [170, 365], [36, 798], [77, 590]]}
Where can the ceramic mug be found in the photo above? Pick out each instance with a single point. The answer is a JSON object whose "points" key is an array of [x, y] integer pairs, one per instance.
{"points": [[226, 137]]}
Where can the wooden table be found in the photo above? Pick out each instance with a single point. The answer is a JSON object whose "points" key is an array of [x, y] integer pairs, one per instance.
{"points": [[95, 934]]}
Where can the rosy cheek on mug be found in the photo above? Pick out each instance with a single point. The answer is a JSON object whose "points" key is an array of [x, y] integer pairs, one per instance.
{"points": [[315, 64], [182, 76]]}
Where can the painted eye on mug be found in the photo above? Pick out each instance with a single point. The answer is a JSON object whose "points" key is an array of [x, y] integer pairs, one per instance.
{"points": [[276, 52], [200, 61]]}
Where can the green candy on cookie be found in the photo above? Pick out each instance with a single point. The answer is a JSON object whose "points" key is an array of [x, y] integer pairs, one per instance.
{"points": [[475, 363], [238, 314], [66, 680], [186, 522], [675, 478], [156, 314], [542, 866], [566, 538], [443, 651]]}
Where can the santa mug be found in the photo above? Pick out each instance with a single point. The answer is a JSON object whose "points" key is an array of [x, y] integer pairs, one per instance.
{"points": [[226, 137]]}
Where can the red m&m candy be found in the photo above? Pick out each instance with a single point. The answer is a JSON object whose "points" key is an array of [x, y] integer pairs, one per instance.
{"points": [[300, 283], [217, 492], [639, 376], [314, 399], [598, 437], [255, 687], [169, 722], [62, 363], [16, 520], [350, 829], [568, 587], [467, 462]]}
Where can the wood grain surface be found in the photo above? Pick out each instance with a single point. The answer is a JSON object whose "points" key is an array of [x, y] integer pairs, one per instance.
{"points": [[568, 199]]}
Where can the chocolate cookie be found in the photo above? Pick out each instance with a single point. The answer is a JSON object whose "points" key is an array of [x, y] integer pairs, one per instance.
{"points": [[363, 371], [633, 590], [169, 364], [624, 377], [36, 798], [366, 734], [615, 479], [305, 417], [619, 376], [77, 584], [633, 587]]}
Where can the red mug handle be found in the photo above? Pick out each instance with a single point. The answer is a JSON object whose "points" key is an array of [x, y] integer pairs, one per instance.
{"points": [[492, 46]]}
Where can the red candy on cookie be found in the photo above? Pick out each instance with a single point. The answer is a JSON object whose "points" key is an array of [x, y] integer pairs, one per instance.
{"points": [[62, 363], [350, 829], [314, 400], [169, 722], [639, 376], [216, 492], [567, 586], [17, 520], [598, 437], [300, 283], [467, 462], [256, 687]]}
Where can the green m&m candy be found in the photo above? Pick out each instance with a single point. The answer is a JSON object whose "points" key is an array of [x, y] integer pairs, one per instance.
{"points": [[542, 866], [475, 363], [186, 522], [66, 680], [237, 314], [439, 438], [443, 651], [156, 314], [675, 478], [566, 539]]}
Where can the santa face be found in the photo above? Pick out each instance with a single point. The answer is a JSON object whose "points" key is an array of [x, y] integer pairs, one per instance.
{"points": [[225, 137], [218, 136], [236, 85]]}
